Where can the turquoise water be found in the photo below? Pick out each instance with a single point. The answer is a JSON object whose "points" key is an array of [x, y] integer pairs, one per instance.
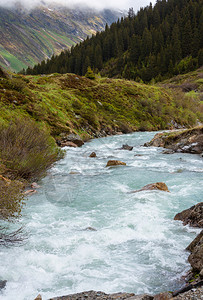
{"points": [[137, 247]]}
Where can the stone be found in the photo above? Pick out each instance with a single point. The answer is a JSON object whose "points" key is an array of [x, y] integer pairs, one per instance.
{"points": [[39, 297], [141, 297], [111, 163], [74, 173], [68, 144], [93, 154], [163, 296], [90, 229], [196, 256], [93, 295], [169, 151], [126, 147], [2, 284], [192, 216], [161, 186], [34, 185], [29, 192], [74, 138]]}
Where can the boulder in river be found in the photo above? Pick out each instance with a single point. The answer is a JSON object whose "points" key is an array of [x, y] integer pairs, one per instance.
{"points": [[161, 186], [111, 163], [93, 154], [192, 216], [90, 229], [39, 297], [126, 147], [2, 284]]}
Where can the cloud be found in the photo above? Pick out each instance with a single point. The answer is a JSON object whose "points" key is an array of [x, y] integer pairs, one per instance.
{"points": [[99, 4]]}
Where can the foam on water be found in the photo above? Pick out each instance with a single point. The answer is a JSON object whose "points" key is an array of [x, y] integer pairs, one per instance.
{"points": [[137, 246]]}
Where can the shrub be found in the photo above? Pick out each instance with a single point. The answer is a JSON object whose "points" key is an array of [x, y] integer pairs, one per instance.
{"points": [[11, 199], [26, 149], [90, 74]]}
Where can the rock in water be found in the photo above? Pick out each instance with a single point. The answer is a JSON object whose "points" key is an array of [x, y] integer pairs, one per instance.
{"points": [[90, 229], [196, 256], [2, 284], [68, 144], [39, 297], [126, 147], [111, 163], [192, 216], [161, 186], [93, 154]]}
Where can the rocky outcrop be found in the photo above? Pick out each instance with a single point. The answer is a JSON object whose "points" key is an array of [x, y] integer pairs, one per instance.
{"points": [[161, 186], [188, 141], [196, 256], [126, 147], [192, 216], [92, 295], [111, 163], [71, 140]]}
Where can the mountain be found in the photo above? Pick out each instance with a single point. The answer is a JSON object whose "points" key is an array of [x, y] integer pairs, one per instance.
{"points": [[157, 43], [30, 36]]}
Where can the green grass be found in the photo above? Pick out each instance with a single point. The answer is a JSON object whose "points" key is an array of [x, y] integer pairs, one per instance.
{"points": [[70, 103]]}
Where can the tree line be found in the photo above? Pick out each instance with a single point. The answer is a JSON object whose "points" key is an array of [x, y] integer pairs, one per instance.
{"points": [[155, 43]]}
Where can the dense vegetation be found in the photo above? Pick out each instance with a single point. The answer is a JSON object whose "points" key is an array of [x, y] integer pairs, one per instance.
{"points": [[158, 42], [70, 103]]}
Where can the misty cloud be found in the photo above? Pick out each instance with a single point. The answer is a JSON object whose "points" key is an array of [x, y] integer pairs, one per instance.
{"points": [[99, 4]]}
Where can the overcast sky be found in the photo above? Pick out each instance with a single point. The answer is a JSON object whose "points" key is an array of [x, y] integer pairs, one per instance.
{"points": [[118, 4]]}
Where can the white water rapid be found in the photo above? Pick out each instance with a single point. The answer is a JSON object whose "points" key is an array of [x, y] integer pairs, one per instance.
{"points": [[137, 246]]}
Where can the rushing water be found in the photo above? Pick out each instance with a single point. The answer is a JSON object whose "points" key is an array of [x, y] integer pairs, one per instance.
{"points": [[137, 247]]}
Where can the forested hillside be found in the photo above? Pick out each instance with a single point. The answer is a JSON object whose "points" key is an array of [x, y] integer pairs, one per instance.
{"points": [[158, 42]]}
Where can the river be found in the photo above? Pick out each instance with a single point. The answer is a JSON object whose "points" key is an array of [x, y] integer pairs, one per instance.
{"points": [[137, 246]]}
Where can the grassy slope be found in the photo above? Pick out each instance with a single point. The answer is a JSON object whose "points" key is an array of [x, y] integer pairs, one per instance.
{"points": [[70, 103]]}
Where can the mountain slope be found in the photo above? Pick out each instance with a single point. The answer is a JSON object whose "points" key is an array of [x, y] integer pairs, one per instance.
{"points": [[28, 37]]}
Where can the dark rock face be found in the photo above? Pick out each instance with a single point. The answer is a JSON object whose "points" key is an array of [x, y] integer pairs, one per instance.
{"points": [[187, 141], [192, 216], [196, 256], [92, 295], [161, 186], [126, 147]]}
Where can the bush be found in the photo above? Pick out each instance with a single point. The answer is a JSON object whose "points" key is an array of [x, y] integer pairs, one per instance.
{"points": [[11, 199], [26, 150], [90, 74]]}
